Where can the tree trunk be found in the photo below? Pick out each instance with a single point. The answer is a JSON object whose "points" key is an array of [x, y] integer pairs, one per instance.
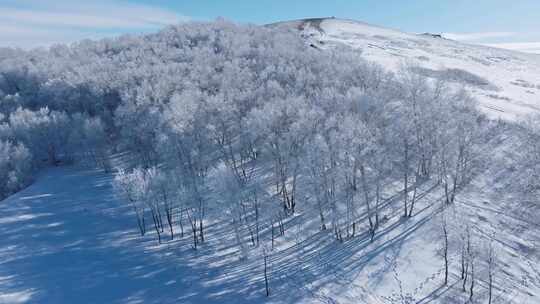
{"points": [[471, 289], [257, 220], [406, 179], [156, 225], [201, 230], [366, 196], [462, 263], [445, 231], [193, 224], [169, 215], [321, 215], [180, 221], [273, 235], [201, 220], [140, 220], [490, 288], [160, 218], [415, 188], [266, 275]]}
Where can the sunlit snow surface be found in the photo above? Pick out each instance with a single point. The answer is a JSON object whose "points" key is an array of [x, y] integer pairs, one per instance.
{"points": [[512, 87], [68, 239]]}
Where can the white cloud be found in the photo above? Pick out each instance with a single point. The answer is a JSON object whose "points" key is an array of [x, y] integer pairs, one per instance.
{"points": [[477, 36], [28, 37], [73, 19], [30, 23], [527, 47]]}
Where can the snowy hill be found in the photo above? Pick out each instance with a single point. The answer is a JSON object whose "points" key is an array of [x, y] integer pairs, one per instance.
{"points": [[251, 167], [507, 83]]}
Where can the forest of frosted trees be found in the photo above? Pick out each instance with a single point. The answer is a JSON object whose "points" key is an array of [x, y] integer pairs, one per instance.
{"points": [[244, 122]]}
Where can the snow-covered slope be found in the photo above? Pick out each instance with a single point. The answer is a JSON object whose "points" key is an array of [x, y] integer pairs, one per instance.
{"points": [[507, 83], [68, 239]]}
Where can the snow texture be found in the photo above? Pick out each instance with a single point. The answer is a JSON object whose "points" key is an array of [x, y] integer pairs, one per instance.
{"points": [[510, 80]]}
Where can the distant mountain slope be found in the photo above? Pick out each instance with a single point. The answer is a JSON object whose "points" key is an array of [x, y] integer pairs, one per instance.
{"points": [[507, 83]]}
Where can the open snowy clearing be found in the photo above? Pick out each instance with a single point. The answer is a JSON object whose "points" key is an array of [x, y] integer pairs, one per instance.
{"points": [[65, 240]]}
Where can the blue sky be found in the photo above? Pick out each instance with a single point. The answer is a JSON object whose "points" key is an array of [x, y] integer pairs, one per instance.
{"points": [[29, 23]]}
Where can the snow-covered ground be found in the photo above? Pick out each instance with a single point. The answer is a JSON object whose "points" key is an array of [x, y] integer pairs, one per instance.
{"points": [[508, 83], [68, 239], [65, 239]]}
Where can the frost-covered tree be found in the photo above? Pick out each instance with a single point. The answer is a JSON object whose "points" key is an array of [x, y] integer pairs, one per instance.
{"points": [[243, 121], [356, 147], [284, 126], [44, 132], [15, 167], [458, 140], [530, 158], [88, 139], [321, 174], [134, 188]]}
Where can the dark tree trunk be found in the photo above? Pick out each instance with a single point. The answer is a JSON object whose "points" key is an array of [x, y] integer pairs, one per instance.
{"points": [[180, 221], [445, 255], [273, 236], [156, 225], [201, 230], [406, 179], [366, 196], [169, 216], [415, 192], [490, 288], [471, 289], [266, 275]]}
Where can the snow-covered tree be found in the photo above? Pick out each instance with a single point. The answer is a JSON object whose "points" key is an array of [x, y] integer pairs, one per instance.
{"points": [[44, 132], [15, 167]]}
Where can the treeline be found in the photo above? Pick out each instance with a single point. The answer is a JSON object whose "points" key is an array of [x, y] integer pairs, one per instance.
{"points": [[247, 119], [31, 139]]}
